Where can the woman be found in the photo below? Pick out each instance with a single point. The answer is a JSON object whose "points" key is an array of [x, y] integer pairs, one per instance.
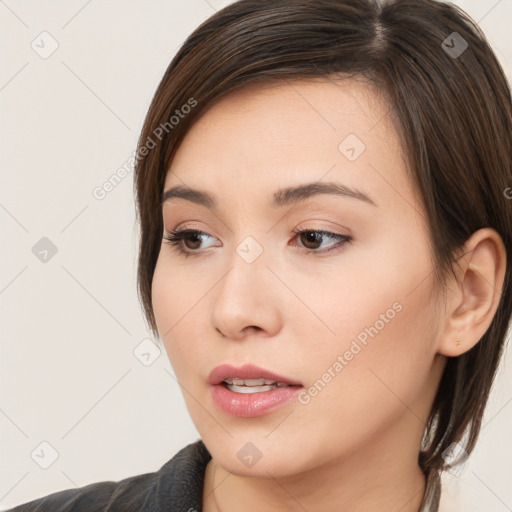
{"points": [[323, 189]]}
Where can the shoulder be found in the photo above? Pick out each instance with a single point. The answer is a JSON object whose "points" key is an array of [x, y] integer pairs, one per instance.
{"points": [[178, 483]]}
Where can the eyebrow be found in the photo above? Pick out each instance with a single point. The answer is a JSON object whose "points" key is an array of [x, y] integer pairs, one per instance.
{"points": [[282, 197]]}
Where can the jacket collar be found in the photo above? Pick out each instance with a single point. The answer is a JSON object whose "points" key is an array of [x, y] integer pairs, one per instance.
{"points": [[179, 483]]}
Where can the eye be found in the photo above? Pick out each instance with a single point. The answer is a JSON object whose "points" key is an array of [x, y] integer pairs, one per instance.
{"points": [[311, 237], [182, 238], [179, 236]]}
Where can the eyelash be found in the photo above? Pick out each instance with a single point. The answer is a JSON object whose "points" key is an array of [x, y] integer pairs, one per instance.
{"points": [[177, 236]]}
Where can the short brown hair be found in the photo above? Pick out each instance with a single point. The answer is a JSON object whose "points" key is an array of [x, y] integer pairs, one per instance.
{"points": [[452, 106]]}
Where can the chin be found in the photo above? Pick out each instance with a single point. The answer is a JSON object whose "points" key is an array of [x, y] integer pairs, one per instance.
{"points": [[258, 455]]}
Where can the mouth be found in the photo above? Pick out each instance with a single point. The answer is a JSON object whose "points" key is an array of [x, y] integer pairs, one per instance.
{"points": [[250, 391]]}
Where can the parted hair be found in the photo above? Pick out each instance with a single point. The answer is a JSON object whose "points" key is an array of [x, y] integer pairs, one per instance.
{"points": [[450, 101]]}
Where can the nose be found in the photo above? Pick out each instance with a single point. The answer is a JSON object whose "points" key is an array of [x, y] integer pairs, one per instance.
{"points": [[246, 300]]}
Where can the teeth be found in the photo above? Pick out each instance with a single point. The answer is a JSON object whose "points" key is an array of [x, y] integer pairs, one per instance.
{"points": [[249, 389], [250, 382], [252, 385]]}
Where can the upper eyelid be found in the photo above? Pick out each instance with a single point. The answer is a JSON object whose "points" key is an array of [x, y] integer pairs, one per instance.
{"points": [[298, 230]]}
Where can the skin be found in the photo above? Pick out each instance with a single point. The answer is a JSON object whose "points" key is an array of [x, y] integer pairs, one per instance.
{"points": [[354, 446]]}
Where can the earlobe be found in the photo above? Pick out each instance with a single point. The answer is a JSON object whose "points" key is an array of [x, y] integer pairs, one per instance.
{"points": [[474, 297]]}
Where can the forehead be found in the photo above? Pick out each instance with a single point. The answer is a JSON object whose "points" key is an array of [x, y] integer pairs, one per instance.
{"points": [[294, 113], [276, 135]]}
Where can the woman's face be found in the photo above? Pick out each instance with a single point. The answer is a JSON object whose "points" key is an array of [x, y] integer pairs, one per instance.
{"points": [[354, 321]]}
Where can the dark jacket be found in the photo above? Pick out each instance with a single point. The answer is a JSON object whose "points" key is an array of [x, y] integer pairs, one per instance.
{"points": [[176, 487]]}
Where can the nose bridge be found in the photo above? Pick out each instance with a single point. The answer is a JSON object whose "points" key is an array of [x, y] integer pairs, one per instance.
{"points": [[243, 295], [247, 269]]}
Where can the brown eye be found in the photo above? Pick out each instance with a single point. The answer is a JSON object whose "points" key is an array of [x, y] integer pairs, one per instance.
{"points": [[311, 239], [194, 237]]}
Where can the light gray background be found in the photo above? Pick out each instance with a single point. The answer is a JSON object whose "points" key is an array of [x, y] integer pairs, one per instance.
{"points": [[68, 373]]}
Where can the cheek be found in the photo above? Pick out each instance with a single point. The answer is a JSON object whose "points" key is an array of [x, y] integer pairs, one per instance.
{"points": [[388, 334], [375, 382], [381, 353], [163, 302], [171, 302], [179, 299]]}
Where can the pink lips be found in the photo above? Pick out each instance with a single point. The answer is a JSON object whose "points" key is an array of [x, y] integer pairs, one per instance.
{"points": [[248, 405]]}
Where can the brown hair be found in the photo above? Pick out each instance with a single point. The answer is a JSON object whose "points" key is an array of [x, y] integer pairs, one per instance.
{"points": [[453, 111]]}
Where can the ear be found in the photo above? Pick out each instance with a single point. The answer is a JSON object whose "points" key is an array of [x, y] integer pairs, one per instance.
{"points": [[473, 298]]}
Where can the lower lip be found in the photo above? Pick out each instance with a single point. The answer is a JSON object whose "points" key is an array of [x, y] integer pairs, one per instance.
{"points": [[249, 405]]}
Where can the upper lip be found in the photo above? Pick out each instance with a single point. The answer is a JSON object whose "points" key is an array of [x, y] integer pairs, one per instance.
{"points": [[247, 371]]}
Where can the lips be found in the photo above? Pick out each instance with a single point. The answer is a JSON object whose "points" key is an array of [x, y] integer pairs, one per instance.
{"points": [[247, 371], [250, 391]]}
